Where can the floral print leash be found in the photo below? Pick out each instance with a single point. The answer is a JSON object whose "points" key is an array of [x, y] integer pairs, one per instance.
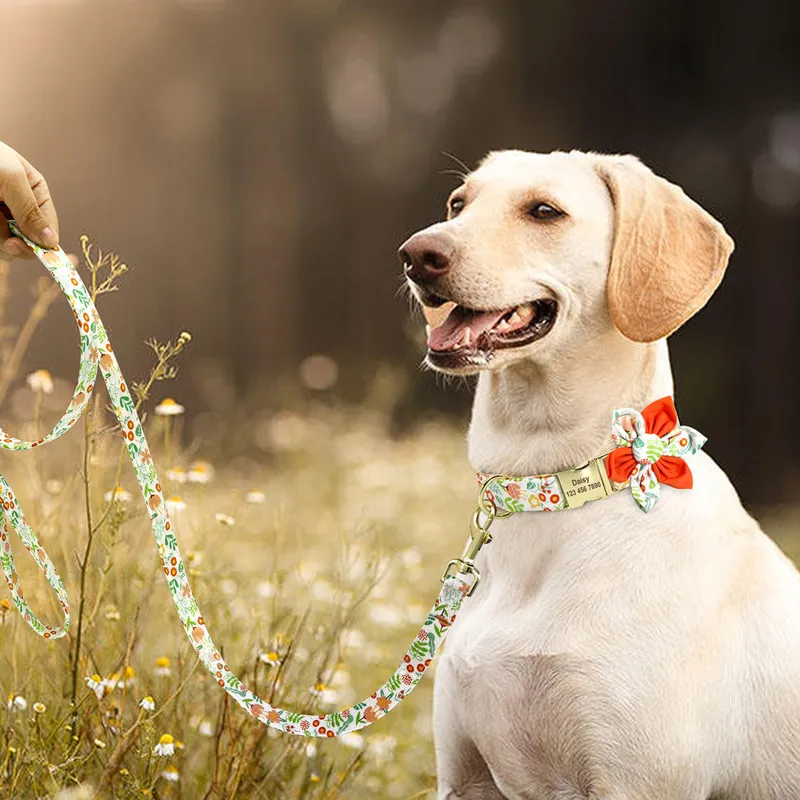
{"points": [[647, 456], [96, 352]]}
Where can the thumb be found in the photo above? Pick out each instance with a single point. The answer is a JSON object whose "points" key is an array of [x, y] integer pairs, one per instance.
{"points": [[32, 210]]}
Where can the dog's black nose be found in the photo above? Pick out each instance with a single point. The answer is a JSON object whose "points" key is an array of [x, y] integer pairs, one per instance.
{"points": [[427, 255]]}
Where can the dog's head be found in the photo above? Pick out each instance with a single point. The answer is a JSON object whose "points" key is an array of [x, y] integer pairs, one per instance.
{"points": [[539, 249]]}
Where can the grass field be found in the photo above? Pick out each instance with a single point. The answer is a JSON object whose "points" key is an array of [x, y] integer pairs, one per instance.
{"points": [[315, 557], [333, 546], [315, 554]]}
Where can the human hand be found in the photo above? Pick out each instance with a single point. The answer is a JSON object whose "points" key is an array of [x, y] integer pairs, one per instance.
{"points": [[25, 197]]}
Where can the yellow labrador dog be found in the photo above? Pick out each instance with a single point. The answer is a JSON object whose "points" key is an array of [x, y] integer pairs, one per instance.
{"points": [[608, 653]]}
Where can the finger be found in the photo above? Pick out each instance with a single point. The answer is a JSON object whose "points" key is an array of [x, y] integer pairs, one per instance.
{"points": [[16, 248], [12, 245], [41, 191], [17, 193], [5, 234]]}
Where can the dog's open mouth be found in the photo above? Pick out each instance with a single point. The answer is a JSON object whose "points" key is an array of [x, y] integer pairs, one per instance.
{"points": [[470, 337]]}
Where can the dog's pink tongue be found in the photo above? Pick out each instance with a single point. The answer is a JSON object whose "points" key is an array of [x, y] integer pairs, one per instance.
{"points": [[449, 334]]}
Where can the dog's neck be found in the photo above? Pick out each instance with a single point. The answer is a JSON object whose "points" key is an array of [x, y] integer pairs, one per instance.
{"points": [[536, 418]]}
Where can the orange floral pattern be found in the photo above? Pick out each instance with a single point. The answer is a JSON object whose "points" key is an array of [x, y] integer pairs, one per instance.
{"points": [[650, 450], [531, 493]]}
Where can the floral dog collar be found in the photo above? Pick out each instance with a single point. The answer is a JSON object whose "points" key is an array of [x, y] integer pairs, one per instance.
{"points": [[649, 451]]}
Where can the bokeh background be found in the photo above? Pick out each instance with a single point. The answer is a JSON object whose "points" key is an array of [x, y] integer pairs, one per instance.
{"points": [[258, 162]]}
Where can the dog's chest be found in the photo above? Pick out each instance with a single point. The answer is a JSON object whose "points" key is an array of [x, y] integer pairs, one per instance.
{"points": [[535, 716], [537, 658]]}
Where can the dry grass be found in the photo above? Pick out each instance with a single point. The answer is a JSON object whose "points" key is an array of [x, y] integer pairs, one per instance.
{"points": [[314, 558]]}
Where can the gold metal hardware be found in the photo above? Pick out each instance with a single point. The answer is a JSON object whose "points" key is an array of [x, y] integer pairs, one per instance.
{"points": [[479, 535], [589, 482], [578, 486]]}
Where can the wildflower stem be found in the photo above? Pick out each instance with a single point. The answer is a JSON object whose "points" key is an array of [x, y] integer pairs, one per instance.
{"points": [[84, 564], [215, 778], [44, 299], [351, 767], [127, 739]]}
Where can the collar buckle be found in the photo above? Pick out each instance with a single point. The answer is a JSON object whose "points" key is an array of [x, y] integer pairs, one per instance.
{"points": [[589, 482]]}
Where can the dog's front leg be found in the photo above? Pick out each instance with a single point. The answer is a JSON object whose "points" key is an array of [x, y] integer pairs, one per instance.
{"points": [[461, 771]]}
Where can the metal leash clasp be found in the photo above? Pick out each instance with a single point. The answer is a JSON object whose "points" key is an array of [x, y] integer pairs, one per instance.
{"points": [[479, 535]]}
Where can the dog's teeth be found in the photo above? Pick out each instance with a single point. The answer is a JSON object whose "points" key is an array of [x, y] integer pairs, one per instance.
{"points": [[466, 337], [502, 326], [525, 311], [515, 319]]}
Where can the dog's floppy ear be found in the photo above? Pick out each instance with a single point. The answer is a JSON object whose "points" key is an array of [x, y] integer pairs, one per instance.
{"points": [[668, 256]]}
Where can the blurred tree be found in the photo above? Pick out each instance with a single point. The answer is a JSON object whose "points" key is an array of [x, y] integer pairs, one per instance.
{"points": [[258, 163]]}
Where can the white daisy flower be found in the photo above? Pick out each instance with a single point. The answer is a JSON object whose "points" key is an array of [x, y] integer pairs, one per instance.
{"points": [[200, 472], [18, 703], [256, 496], [177, 474], [165, 746], [112, 613], [95, 683], [325, 694], [171, 774], [169, 408], [206, 728], [40, 381], [39, 708], [224, 519], [147, 703], [162, 667], [352, 740], [311, 750], [175, 503], [118, 495], [271, 659], [329, 696]]}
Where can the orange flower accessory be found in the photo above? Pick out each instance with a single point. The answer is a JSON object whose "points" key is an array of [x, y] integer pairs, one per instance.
{"points": [[649, 450]]}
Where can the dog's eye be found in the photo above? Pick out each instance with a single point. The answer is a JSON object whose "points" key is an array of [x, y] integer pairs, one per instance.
{"points": [[455, 206], [544, 211]]}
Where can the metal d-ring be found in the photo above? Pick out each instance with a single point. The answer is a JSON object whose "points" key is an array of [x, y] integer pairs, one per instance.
{"points": [[484, 502]]}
